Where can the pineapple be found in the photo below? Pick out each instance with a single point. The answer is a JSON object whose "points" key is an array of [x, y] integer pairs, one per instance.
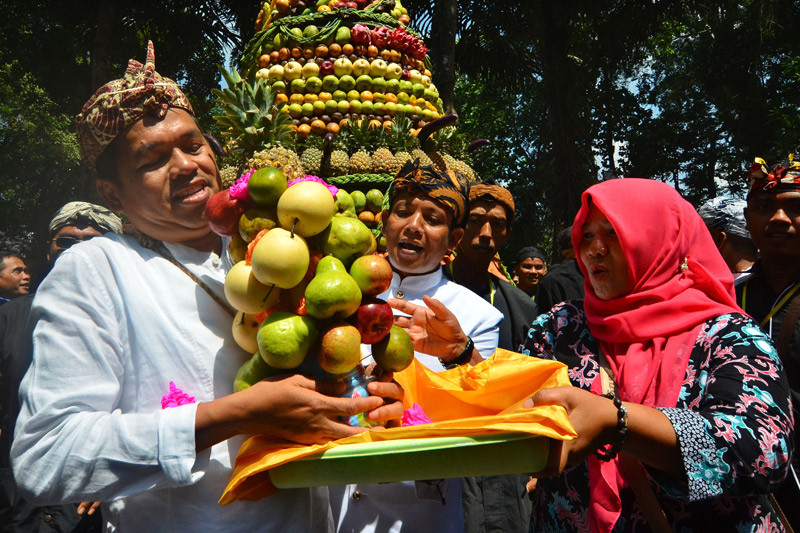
{"points": [[228, 175], [401, 141], [402, 158], [312, 161], [340, 163], [360, 163], [383, 162], [464, 169], [424, 160], [251, 121]]}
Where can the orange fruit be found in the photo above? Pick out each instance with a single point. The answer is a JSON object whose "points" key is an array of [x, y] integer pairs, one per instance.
{"points": [[386, 55], [390, 98], [310, 98], [335, 50], [344, 123], [321, 50], [324, 9], [282, 98], [318, 127], [347, 49], [263, 61], [274, 57], [297, 53], [284, 53], [296, 98], [372, 51], [308, 53], [395, 55], [323, 96], [304, 130], [333, 128], [367, 96]]}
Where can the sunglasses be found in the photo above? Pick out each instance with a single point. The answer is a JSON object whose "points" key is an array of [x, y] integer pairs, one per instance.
{"points": [[66, 242]]}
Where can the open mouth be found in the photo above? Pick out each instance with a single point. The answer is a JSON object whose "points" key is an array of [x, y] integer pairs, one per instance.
{"points": [[409, 248], [193, 193]]}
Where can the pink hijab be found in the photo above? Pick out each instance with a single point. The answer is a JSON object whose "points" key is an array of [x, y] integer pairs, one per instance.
{"points": [[678, 281]]}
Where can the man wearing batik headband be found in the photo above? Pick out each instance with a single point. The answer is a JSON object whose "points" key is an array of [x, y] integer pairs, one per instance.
{"points": [[129, 399], [424, 223], [771, 293]]}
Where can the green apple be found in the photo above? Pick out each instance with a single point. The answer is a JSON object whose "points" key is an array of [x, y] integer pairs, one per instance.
{"points": [[374, 200], [246, 293], [418, 90], [339, 95], [331, 107], [279, 87], [390, 108], [395, 352], [359, 200], [266, 185], [353, 95], [319, 107], [333, 293], [378, 108], [295, 110], [355, 106], [343, 107], [392, 86], [403, 97], [307, 206], [339, 348], [285, 338], [426, 81], [330, 83], [245, 329], [405, 86], [345, 239], [307, 109], [363, 83], [378, 85], [366, 108], [298, 86], [253, 371], [280, 258], [347, 82]]}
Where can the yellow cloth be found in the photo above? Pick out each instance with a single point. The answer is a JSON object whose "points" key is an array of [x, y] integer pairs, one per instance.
{"points": [[469, 400]]}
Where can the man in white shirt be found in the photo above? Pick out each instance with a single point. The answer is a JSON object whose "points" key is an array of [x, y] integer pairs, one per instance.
{"points": [[121, 318], [423, 224]]}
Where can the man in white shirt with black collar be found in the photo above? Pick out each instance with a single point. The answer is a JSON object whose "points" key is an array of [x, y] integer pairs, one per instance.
{"points": [[424, 223]]}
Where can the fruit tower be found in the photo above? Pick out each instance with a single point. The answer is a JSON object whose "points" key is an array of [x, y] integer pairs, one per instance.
{"points": [[339, 90]]}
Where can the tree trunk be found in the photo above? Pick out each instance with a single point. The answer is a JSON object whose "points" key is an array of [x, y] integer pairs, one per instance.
{"points": [[444, 28]]}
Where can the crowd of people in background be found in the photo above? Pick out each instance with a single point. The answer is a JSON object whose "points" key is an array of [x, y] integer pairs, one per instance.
{"points": [[680, 330]]}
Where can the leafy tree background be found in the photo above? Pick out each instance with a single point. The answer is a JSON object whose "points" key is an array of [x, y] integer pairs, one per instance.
{"points": [[569, 92]]}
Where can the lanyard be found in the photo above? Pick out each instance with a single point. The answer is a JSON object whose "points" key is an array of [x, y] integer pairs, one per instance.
{"points": [[776, 307], [491, 283]]}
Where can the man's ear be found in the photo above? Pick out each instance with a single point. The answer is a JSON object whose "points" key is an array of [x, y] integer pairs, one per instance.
{"points": [[109, 192], [455, 237], [384, 218]]}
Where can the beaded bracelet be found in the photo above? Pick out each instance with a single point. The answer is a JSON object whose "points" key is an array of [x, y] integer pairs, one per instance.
{"points": [[462, 359], [607, 452]]}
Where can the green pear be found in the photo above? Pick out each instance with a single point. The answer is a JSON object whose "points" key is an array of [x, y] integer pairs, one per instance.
{"points": [[246, 293], [306, 208], [374, 200], [253, 371], [280, 258], [339, 348], [333, 293], [285, 338], [254, 220], [359, 200], [346, 239], [344, 204], [395, 352], [266, 185]]}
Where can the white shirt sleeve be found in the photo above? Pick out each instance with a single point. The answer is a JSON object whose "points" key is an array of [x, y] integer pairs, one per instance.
{"points": [[72, 441]]}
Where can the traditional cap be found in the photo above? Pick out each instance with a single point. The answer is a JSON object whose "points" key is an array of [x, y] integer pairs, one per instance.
{"points": [[785, 174], [496, 193], [73, 213], [725, 214], [564, 238], [119, 103], [448, 188], [529, 252]]}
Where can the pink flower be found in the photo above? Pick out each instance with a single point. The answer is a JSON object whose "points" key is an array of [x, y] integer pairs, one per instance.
{"points": [[308, 177], [176, 397], [415, 416], [239, 187]]}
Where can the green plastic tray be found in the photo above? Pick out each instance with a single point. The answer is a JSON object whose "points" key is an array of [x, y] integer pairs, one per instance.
{"points": [[411, 459]]}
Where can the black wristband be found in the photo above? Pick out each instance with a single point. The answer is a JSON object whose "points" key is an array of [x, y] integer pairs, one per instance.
{"points": [[607, 452], [462, 359]]}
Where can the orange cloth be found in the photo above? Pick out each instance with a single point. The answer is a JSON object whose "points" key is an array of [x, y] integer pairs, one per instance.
{"points": [[468, 400]]}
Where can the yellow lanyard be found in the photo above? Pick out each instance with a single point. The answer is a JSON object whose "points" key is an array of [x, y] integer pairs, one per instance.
{"points": [[777, 306], [491, 283]]}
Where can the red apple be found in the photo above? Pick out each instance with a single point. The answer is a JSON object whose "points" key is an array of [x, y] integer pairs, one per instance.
{"points": [[339, 348], [373, 319], [223, 212], [352, 5], [373, 274], [326, 68]]}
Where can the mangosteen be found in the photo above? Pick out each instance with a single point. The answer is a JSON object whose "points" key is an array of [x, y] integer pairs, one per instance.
{"points": [[337, 117]]}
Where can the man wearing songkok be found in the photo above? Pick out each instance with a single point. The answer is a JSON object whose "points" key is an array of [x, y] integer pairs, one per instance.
{"points": [[530, 266], [770, 292], [724, 218], [73, 223], [129, 400], [493, 503], [424, 223]]}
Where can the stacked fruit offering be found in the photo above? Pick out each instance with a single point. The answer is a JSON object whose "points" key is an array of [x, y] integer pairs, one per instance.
{"points": [[340, 62], [305, 278]]}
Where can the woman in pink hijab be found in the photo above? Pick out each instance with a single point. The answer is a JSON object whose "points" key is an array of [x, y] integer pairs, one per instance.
{"points": [[697, 407]]}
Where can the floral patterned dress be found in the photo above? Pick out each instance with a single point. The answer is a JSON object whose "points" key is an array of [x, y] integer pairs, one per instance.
{"points": [[733, 422]]}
